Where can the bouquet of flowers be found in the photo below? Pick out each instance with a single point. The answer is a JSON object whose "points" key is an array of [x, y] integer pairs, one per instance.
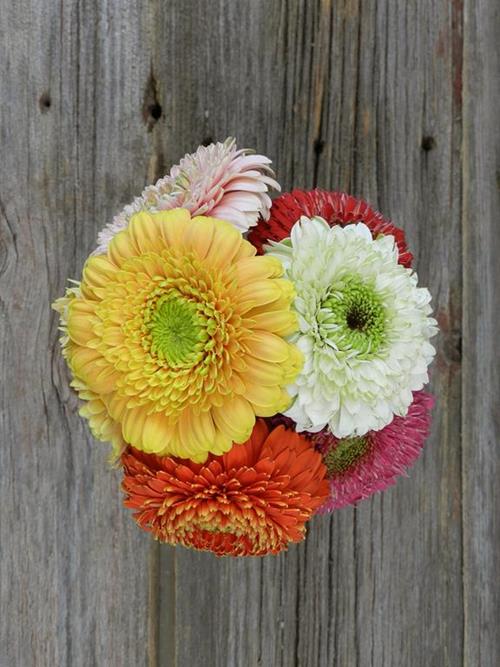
{"points": [[252, 363]]}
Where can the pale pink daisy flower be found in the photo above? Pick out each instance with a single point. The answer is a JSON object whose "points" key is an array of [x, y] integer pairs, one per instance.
{"points": [[219, 180]]}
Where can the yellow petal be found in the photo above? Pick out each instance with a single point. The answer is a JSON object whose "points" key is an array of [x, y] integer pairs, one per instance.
{"points": [[92, 408], [191, 442], [83, 361], [81, 319], [173, 224], [267, 346], [120, 248], [181, 215], [258, 293], [116, 406], [156, 433], [103, 379], [204, 430], [197, 458], [222, 443], [250, 269], [294, 364], [263, 373], [235, 418], [263, 396], [98, 271], [113, 336], [199, 236], [226, 242], [144, 233], [153, 265], [133, 425], [236, 384], [270, 411], [281, 322], [246, 249]]}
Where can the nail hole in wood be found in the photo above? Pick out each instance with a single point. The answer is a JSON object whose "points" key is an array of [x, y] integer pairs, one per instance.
{"points": [[428, 143], [319, 146], [44, 102], [155, 111], [453, 346], [151, 108]]}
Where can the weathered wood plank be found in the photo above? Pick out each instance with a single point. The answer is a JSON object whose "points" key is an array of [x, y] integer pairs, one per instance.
{"points": [[407, 159], [481, 386], [73, 570]]}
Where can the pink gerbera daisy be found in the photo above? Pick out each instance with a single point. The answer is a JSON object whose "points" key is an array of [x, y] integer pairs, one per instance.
{"points": [[218, 180], [359, 466], [362, 465]]}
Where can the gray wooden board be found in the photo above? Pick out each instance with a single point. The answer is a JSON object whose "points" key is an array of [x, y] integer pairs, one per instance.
{"points": [[481, 380], [394, 101]]}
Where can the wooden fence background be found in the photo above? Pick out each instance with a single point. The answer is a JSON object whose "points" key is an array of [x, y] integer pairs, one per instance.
{"points": [[394, 100]]}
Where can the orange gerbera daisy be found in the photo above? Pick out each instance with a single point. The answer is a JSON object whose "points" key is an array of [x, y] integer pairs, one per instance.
{"points": [[176, 336], [252, 501]]}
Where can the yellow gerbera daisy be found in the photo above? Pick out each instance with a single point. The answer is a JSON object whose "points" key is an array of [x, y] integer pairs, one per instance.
{"points": [[176, 336]]}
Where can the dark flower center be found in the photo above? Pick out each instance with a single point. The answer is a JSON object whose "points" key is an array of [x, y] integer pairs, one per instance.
{"points": [[353, 317], [358, 319]]}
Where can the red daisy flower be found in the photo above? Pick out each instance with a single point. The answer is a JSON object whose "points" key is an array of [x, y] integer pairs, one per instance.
{"points": [[252, 501], [337, 208]]}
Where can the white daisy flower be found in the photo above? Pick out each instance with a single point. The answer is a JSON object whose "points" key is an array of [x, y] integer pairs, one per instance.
{"points": [[364, 327]]}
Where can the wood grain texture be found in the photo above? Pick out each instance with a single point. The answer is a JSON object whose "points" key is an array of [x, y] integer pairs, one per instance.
{"points": [[481, 387], [73, 569], [394, 101]]}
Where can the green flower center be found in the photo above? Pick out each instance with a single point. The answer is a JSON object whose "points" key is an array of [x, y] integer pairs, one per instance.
{"points": [[347, 452], [353, 317], [177, 331]]}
